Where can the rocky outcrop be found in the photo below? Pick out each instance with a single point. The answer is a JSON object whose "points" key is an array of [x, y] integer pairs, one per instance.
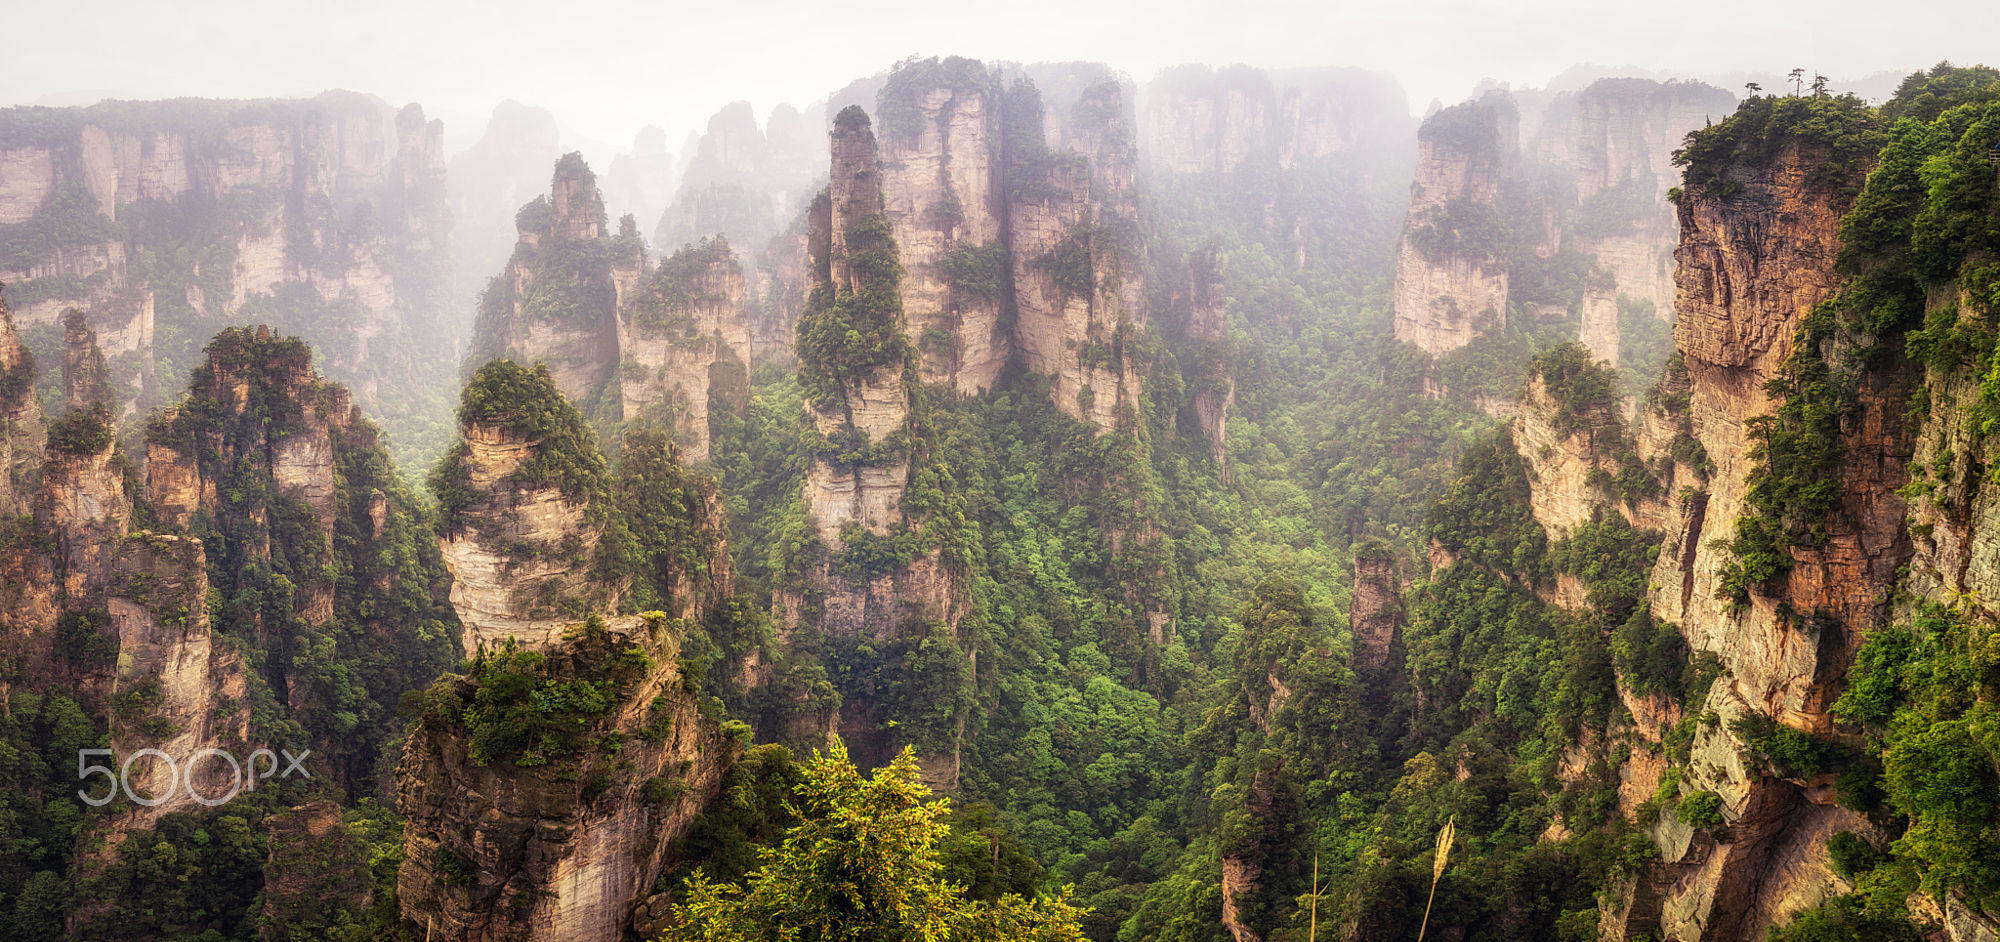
{"points": [[326, 216], [1450, 283], [556, 302], [625, 342], [310, 537], [85, 382], [1375, 615], [641, 181], [567, 846], [21, 433], [1194, 120], [1750, 268], [1209, 372], [741, 181], [1573, 453], [874, 403], [520, 560], [177, 689], [942, 175], [1613, 143], [686, 342]]}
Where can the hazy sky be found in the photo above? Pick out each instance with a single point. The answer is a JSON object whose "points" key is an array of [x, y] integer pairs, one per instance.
{"points": [[607, 67]]}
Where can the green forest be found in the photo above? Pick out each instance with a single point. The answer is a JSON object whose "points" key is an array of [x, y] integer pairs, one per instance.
{"points": [[1187, 692]]}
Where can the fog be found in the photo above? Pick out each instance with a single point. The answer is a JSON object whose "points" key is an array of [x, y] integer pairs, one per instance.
{"points": [[606, 69]]}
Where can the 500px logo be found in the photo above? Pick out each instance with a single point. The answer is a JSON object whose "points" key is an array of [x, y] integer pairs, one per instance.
{"points": [[183, 777]]}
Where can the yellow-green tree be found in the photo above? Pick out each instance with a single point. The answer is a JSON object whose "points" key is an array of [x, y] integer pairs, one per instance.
{"points": [[862, 866]]}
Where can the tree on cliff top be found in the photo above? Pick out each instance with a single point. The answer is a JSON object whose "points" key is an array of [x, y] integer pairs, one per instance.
{"points": [[862, 865]]}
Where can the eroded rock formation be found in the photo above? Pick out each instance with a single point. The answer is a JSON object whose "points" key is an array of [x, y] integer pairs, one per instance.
{"points": [[1451, 284], [660, 345], [323, 216], [1750, 269], [686, 343], [565, 845]]}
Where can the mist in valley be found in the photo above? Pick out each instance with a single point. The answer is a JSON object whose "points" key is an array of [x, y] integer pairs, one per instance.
{"points": [[1137, 473]]}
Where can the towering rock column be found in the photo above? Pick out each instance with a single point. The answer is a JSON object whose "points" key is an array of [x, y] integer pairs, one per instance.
{"points": [[860, 397], [1450, 286], [867, 581], [941, 192], [1377, 610], [1751, 268], [686, 343], [21, 434], [557, 301], [1076, 263], [1211, 376]]}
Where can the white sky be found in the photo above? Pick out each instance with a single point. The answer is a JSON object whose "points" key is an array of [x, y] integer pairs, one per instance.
{"points": [[607, 67]]}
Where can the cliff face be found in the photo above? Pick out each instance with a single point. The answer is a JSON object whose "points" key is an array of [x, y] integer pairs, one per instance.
{"points": [[498, 846], [219, 629], [640, 182], [625, 341], [21, 434], [941, 191], [1316, 162], [1570, 221], [1574, 453], [520, 551], [325, 216], [686, 341], [1450, 283], [1194, 121], [319, 558], [1211, 376], [1750, 268], [179, 689], [1613, 145], [1375, 615], [874, 405], [557, 302], [1002, 201]]}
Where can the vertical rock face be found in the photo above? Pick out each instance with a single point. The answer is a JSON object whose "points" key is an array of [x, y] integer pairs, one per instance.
{"points": [[1376, 613], [623, 341], [873, 403], [1077, 256], [1194, 120], [178, 689], [21, 434], [85, 381], [565, 846], [640, 182], [313, 545], [739, 180], [941, 192], [1212, 383], [88, 508], [326, 216], [1317, 161], [1574, 451], [1450, 285], [1750, 268], [519, 541], [1614, 143], [686, 341], [556, 302]]}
